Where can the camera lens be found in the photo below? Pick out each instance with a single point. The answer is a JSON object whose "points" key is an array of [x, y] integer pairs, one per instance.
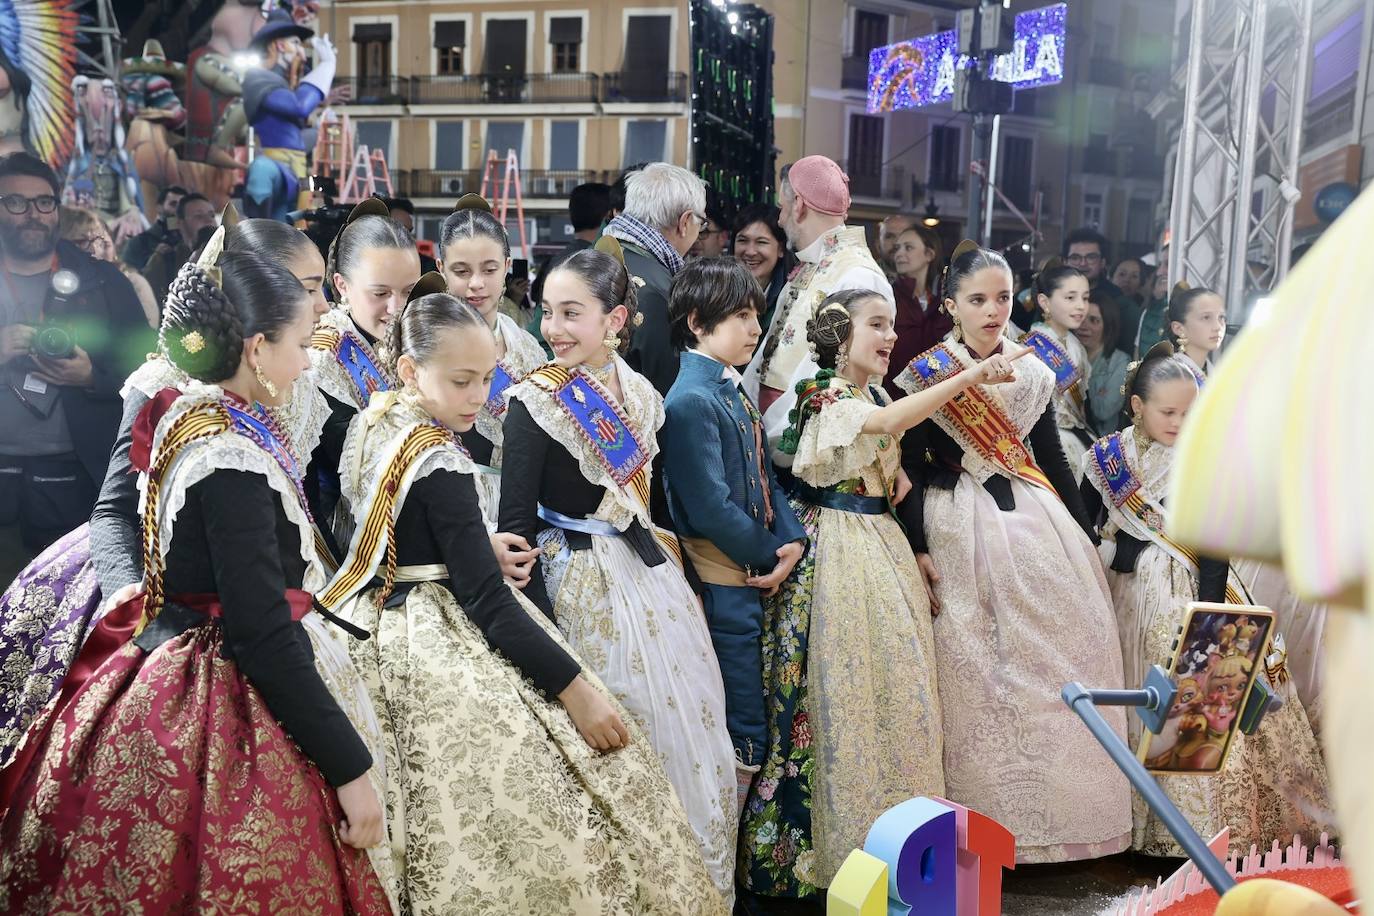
{"points": [[54, 342]]}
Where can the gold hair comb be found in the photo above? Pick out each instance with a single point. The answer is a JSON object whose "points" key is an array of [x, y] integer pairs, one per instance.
{"points": [[472, 201]]}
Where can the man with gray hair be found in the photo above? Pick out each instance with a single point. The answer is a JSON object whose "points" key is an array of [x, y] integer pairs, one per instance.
{"points": [[665, 210]]}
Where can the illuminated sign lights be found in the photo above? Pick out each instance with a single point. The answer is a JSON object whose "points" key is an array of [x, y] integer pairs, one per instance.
{"points": [[920, 71]]}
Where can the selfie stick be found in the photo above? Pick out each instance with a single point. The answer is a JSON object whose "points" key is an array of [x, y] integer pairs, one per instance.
{"points": [[1152, 704]]}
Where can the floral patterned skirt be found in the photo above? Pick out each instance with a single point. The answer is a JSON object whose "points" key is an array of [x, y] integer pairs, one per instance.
{"points": [[853, 710], [167, 785], [45, 615], [496, 804]]}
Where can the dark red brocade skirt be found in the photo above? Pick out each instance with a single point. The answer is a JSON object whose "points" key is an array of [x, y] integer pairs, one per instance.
{"points": [[165, 785]]}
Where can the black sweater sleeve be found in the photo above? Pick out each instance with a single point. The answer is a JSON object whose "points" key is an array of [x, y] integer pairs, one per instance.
{"points": [[1093, 505], [271, 649], [1049, 454], [116, 547], [1212, 575], [912, 510], [525, 453], [456, 524]]}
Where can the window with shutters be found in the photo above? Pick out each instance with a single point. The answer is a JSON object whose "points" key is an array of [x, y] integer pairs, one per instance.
{"points": [[565, 34], [946, 161], [1332, 90], [865, 164], [645, 141], [450, 46], [566, 57], [448, 145], [1016, 180], [373, 51]]}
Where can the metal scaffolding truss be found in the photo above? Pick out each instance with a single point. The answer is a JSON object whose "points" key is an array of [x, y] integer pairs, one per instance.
{"points": [[1235, 183]]}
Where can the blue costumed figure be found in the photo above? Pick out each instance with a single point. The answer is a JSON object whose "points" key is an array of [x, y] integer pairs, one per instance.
{"points": [[279, 114]]}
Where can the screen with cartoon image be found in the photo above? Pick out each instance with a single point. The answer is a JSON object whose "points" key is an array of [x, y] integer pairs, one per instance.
{"points": [[1216, 659]]}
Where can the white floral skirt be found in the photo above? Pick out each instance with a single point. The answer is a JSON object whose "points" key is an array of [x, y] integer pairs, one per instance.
{"points": [[642, 630]]}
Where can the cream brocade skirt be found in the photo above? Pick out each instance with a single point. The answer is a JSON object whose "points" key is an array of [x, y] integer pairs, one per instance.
{"points": [[1025, 609], [1274, 782], [496, 804], [344, 682], [871, 683], [642, 630]]}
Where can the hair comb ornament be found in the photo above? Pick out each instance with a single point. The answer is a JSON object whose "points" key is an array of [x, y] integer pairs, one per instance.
{"points": [[229, 217], [1182, 286], [1051, 263], [373, 206], [208, 262], [430, 283], [470, 201], [611, 246], [1162, 350], [964, 248]]}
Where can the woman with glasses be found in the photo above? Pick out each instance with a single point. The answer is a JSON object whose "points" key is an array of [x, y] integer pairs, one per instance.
{"points": [[87, 231]]}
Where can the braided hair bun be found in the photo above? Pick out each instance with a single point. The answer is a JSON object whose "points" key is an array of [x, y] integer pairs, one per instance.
{"points": [[202, 331], [212, 308], [829, 329], [602, 268]]}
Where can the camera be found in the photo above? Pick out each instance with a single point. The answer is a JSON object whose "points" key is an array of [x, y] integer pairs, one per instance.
{"points": [[52, 341]]}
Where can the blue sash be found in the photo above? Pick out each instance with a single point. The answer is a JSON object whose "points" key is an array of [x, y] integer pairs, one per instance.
{"points": [[496, 398], [362, 371], [267, 438], [602, 425], [1066, 373], [1116, 471], [593, 526]]}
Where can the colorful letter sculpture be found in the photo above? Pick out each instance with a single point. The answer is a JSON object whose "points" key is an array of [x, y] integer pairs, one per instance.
{"points": [[926, 857]]}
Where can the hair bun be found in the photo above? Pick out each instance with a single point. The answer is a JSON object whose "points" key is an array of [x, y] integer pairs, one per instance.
{"points": [[432, 282], [1162, 350], [831, 327], [1182, 286], [470, 201]]}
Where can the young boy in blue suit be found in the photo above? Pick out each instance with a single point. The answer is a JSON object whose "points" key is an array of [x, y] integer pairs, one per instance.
{"points": [[733, 519]]}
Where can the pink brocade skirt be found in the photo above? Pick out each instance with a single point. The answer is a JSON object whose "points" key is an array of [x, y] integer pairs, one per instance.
{"points": [[166, 784]]}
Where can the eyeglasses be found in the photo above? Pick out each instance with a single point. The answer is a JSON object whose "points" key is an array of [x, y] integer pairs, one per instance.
{"points": [[702, 221], [92, 244], [18, 204], [1090, 258]]}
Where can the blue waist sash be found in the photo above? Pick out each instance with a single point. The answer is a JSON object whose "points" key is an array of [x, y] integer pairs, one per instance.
{"points": [[845, 502], [594, 526]]}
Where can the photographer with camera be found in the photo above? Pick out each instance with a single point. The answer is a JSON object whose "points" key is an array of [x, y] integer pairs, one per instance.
{"points": [[71, 330], [195, 222], [164, 229]]}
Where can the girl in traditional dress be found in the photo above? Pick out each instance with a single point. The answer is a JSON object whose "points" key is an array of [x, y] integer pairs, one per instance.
{"points": [[475, 253], [1061, 292], [372, 267], [483, 702], [580, 437], [53, 604], [1274, 781], [1197, 321], [848, 657], [227, 757], [1024, 605]]}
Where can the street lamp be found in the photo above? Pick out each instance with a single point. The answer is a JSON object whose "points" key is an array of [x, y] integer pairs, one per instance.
{"points": [[932, 217]]}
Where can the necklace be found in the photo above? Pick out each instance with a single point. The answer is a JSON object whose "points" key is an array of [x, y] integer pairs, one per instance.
{"points": [[602, 374]]}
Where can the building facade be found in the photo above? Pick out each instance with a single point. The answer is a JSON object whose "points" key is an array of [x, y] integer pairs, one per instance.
{"points": [[576, 88], [1066, 158]]}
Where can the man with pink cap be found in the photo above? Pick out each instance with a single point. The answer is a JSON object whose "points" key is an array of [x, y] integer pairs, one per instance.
{"points": [[814, 200]]}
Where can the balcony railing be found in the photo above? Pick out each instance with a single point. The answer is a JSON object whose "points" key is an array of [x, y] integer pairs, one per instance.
{"points": [[376, 90], [889, 183], [532, 88], [535, 184], [643, 86], [1099, 160], [854, 72], [657, 86]]}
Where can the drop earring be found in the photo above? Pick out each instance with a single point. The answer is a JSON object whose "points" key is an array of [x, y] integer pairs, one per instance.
{"points": [[1138, 423], [612, 342], [841, 360], [958, 327], [268, 385]]}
